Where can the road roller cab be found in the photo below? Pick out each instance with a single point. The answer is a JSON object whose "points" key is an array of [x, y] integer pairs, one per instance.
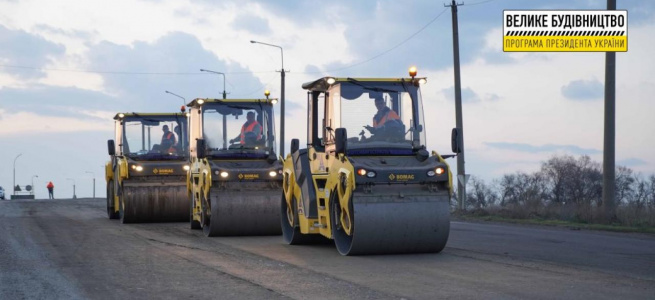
{"points": [[235, 176], [146, 176], [366, 179]]}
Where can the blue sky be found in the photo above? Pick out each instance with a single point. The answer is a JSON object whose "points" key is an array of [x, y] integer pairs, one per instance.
{"points": [[66, 67]]}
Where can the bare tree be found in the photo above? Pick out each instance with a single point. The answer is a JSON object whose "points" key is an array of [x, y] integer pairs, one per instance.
{"points": [[625, 181], [568, 188], [639, 192], [481, 195], [588, 182], [650, 194], [508, 190], [559, 172], [521, 188]]}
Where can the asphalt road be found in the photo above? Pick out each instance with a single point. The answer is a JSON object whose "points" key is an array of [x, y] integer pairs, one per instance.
{"points": [[68, 249]]}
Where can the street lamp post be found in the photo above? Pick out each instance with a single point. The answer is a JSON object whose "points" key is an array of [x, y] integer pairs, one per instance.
{"points": [[94, 183], [219, 73], [14, 186], [73, 180], [33, 189], [176, 95], [282, 102]]}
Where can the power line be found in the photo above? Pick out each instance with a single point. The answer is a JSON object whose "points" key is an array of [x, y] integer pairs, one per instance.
{"points": [[383, 52], [124, 72], [260, 87], [254, 72], [397, 45], [478, 3]]}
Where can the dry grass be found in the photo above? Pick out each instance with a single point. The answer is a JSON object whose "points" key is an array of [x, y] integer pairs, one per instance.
{"points": [[559, 223], [629, 218]]}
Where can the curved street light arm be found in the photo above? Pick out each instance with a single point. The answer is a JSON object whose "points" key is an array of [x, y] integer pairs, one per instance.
{"points": [[219, 73], [176, 95], [276, 46]]}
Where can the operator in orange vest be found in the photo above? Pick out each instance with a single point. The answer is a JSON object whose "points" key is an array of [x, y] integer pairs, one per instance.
{"points": [[167, 140], [250, 128], [384, 115], [51, 188]]}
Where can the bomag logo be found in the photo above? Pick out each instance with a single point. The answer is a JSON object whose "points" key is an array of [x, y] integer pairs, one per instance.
{"points": [[162, 171], [401, 177], [248, 176]]}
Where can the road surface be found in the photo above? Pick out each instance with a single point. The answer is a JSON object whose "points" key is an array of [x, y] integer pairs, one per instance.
{"points": [[68, 249]]}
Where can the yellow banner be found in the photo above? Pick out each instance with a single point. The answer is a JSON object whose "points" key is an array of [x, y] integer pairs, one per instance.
{"points": [[565, 43]]}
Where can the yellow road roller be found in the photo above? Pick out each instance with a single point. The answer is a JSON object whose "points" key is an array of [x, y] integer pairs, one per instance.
{"points": [[377, 192], [235, 178], [146, 176]]}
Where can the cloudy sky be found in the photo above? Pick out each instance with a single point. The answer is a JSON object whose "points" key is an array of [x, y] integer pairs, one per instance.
{"points": [[67, 66]]}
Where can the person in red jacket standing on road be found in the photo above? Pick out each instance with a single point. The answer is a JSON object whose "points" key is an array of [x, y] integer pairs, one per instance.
{"points": [[51, 188]]}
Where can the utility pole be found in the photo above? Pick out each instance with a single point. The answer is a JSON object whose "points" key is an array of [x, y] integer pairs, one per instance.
{"points": [[94, 183], [33, 189], [609, 139], [282, 103], [461, 173], [74, 194], [14, 186]]}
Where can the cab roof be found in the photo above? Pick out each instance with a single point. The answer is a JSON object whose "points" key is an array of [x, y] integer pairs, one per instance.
{"points": [[194, 103], [134, 114], [322, 84]]}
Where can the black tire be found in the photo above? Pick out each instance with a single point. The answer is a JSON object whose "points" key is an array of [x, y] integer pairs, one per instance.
{"points": [[342, 240], [206, 216], [111, 212], [121, 213], [193, 223], [291, 232], [121, 208], [290, 229]]}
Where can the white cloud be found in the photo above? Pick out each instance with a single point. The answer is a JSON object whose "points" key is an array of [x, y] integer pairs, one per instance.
{"points": [[124, 22], [26, 122], [531, 108]]}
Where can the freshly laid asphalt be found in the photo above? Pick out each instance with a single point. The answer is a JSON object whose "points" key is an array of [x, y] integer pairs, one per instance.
{"points": [[68, 249]]}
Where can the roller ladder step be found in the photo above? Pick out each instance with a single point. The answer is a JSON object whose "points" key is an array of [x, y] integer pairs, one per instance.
{"points": [[319, 225]]}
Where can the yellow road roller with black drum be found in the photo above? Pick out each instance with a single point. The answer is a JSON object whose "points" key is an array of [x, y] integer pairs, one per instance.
{"points": [[377, 192], [146, 176], [235, 178]]}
